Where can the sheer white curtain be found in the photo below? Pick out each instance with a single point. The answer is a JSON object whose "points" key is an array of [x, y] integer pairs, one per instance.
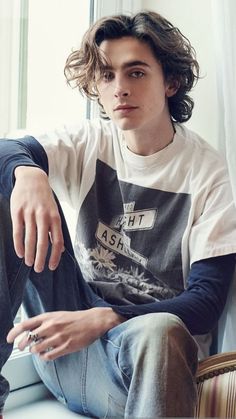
{"points": [[224, 13]]}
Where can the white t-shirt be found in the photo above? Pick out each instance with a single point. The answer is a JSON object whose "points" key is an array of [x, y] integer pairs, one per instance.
{"points": [[141, 220]]}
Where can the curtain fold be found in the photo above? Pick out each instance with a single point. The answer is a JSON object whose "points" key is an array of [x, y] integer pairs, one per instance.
{"points": [[224, 14]]}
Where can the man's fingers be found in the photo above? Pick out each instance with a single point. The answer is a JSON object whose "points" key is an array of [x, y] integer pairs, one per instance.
{"points": [[42, 245], [43, 344], [53, 353], [57, 243], [18, 235], [30, 240], [25, 326]]}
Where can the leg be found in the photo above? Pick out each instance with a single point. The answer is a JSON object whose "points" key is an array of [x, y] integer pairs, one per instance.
{"points": [[145, 368], [63, 289], [13, 274]]}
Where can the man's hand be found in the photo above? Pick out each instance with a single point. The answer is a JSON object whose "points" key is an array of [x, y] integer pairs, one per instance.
{"points": [[35, 219], [62, 332]]}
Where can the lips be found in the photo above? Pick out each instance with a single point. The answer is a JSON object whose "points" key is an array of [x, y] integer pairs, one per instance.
{"points": [[125, 108]]}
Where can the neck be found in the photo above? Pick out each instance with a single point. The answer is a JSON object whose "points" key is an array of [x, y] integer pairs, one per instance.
{"points": [[147, 143]]}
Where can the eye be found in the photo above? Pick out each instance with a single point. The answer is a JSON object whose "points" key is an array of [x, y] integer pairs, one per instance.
{"points": [[107, 76], [137, 74]]}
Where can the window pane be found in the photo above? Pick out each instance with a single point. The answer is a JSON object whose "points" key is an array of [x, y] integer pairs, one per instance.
{"points": [[55, 27], [47, 31]]}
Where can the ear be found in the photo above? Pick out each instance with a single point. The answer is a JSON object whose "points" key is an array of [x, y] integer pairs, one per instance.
{"points": [[172, 87]]}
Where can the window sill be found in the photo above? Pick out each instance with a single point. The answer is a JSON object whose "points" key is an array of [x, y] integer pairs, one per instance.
{"points": [[49, 408], [19, 370], [35, 402]]}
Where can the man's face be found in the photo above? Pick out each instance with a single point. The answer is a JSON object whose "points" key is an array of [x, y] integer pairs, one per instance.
{"points": [[132, 89]]}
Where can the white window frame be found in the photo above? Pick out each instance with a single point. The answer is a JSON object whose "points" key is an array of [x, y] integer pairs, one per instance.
{"points": [[12, 14]]}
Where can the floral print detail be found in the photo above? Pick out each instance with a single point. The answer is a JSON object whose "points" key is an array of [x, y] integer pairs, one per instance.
{"points": [[102, 258], [98, 264]]}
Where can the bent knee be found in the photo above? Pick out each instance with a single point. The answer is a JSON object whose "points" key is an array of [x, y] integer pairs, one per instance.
{"points": [[157, 329], [158, 322]]}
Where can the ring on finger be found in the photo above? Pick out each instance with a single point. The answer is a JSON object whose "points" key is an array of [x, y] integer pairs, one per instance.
{"points": [[49, 349], [33, 337]]}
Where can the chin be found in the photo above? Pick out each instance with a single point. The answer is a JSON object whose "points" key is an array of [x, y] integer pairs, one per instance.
{"points": [[126, 125]]}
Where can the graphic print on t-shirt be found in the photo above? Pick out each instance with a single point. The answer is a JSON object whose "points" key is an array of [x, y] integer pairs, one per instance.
{"points": [[114, 236], [128, 241]]}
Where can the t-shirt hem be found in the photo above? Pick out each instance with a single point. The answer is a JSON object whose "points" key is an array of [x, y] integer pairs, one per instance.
{"points": [[211, 253]]}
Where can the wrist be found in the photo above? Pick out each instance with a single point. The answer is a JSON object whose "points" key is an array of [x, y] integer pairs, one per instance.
{"points": [[109, 318], [21, 171]]}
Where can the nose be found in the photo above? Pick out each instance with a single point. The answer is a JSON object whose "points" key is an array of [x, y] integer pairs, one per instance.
{"points": [[121, 89], [121, 92]]}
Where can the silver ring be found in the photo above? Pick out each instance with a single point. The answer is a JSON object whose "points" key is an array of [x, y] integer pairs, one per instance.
{"points": [[33, 337], [49, 349]]}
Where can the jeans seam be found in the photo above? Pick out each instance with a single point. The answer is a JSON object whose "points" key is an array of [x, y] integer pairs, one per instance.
{"points": [[83, 381], [110, 341], [58, 380], [121, 368]]}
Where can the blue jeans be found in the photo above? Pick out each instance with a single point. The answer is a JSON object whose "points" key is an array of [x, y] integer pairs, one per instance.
{"points": [[143, 368]]}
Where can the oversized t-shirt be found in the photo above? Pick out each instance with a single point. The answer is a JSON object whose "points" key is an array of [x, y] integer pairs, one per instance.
{"points": [[144, 224], [141, 220]]}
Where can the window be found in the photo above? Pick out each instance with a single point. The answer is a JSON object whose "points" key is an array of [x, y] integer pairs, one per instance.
{"points": [[35, 39]]}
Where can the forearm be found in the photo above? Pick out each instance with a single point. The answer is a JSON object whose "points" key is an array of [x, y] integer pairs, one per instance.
{"points": [[201, 305], [23, 152]]}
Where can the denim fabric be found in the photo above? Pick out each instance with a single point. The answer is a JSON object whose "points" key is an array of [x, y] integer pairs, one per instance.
{"points": [[143, 368]]}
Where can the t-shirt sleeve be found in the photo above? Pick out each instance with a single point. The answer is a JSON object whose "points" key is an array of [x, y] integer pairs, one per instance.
{"points": [[201, 304], [60, 152], [213, 229]]}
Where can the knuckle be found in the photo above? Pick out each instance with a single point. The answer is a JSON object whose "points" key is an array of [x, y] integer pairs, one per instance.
{"points": [[55, 217], [42, 213], [29, 242], [29, 213], [41, 244], [48, 356], [58, 243], [51, 326]]}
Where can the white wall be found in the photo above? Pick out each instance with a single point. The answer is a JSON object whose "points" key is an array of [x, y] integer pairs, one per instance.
{"points": [[193, 18]]}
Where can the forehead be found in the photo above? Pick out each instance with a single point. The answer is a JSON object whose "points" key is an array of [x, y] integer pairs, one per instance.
{"points": [[127, 49]]}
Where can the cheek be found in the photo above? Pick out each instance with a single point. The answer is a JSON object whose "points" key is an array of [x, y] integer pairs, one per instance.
{"points": [[105, 99]]}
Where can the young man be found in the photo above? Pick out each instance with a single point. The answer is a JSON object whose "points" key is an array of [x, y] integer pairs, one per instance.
{"points": [[155, 236]]}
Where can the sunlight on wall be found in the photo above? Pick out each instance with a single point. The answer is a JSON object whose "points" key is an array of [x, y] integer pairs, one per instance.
{"points": [[55, 27]]}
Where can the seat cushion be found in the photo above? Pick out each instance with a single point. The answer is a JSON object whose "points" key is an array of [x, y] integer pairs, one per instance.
{"points": [[216, 382]]}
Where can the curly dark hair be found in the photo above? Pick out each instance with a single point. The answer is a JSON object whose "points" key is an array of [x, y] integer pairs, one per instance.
{"points": [[170, 47]]}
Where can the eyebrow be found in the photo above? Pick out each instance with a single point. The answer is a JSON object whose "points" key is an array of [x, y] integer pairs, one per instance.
{"points": [[129, 64]]}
